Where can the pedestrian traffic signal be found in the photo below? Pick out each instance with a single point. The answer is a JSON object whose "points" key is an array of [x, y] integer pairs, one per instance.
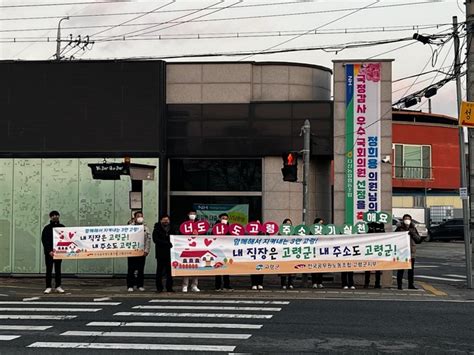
{"points": [[290, 167]]}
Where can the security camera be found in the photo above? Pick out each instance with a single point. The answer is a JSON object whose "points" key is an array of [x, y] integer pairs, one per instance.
{"points": [[386, 159]]}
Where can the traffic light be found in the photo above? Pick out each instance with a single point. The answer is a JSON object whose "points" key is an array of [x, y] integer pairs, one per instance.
{"points": [[290, 167]]}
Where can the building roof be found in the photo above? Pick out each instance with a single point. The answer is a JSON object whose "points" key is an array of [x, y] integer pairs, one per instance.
{"points": [[195, 253], [65, 244], [410, 116]]}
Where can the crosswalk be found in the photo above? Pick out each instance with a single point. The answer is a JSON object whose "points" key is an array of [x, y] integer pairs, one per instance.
{"points": [[195, 325]]}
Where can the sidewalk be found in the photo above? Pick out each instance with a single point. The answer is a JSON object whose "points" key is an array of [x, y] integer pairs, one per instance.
{"points": [[27, 287]]}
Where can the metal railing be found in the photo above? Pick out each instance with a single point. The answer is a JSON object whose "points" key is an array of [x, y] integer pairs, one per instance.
{"points": [[412, 172]]}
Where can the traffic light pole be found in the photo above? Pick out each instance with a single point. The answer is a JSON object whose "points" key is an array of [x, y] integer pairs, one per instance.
{"points": [[306, 130]]}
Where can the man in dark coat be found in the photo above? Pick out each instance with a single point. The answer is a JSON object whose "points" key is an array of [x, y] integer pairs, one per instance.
{"points": [[161, 238], [407, 225], [47, 241]]}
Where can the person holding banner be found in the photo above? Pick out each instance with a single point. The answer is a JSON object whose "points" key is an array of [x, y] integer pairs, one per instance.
{"points": [[161, 238], [408, 226], [374, 227], [221, 228], [194, 280], [317, 277], [137, 263], [284, 283], [47, 241]]}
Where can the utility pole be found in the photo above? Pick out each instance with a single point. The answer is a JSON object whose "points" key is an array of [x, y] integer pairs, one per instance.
{"points": [[58, 39], [462, 147], [306, 130]]}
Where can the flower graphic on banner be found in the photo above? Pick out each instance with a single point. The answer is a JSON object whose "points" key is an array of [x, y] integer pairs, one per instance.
{"points": [[372, 71]]}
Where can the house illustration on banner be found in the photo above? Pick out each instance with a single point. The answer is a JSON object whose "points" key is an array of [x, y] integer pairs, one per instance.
{"points": [[66, 246], [203, 258]]}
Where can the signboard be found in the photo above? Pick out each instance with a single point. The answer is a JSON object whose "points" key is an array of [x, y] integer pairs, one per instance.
{"points": [[98, 242], [363, 140], [466, 114], [210, 212], [245, 255], [463, 193]]}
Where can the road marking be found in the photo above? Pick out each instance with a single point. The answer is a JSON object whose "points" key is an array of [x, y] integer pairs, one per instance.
{"points": [[3, 295], [157, 335], [214, 308], [128, 346], [5, 309], [63, 303], [431, 289], [8, 337], [24, 327], [217, 301], [24, 316], [454, 275], [175, 325], [31, 299], [102, 299], [392, 300], [437, 278], [426, 266], [195, 315]]}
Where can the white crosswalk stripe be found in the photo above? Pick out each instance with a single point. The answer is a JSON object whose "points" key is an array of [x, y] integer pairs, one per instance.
{"points": [[437, 278], [195, 315], [36, 317], [214, 308], [157, 335], [24, 327], [8, 337], [175, 325], [217, 301], [65, 303], [26, 309]]}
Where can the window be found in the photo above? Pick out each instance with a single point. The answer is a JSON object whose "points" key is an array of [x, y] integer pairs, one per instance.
{"points": [[412, 161]]}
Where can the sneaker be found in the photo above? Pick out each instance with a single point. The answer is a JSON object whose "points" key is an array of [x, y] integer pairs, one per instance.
{"points": [[195, 289], [283, 287], [399, 288], [141, 289], [260, 287], [412, 287], [315, 286], [290, 287], [47, 291], [346, 287], [352, 287], [185, 289], [320, 286], [130, 289], [254, 287], [59, 289]]}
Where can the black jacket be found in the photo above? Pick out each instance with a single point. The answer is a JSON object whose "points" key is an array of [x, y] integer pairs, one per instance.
{"points": [[47, 236], [161, 238], [414, 236]]}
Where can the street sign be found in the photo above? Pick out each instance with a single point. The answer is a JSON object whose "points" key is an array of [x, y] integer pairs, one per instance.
{"points": [[463, 193], [466, 114]]}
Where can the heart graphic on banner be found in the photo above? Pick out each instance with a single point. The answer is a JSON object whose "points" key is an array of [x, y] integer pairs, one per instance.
{"points": [[71, 235], [192, 244], [207, 242]]}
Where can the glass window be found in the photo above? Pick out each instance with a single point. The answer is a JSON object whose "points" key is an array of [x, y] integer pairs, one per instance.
{"points": [[216, 174], [412, 161]]}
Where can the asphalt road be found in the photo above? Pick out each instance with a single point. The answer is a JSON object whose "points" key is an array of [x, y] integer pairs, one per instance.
{"points": [[441, 263], [229, 325]]}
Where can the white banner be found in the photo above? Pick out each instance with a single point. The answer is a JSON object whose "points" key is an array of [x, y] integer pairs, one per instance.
{"points": [[98, 242]]}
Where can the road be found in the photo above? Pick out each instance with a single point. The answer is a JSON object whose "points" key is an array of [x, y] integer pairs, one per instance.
{"points": [[229, 325]]}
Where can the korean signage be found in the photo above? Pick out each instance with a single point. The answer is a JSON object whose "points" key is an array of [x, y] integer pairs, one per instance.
{"points": [[363, 141], [466, 114], [210, 212], [98, 242], [201, 255]]}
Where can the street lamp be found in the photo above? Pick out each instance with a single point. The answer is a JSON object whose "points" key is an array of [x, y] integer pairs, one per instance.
{"points": [[58, 39]]}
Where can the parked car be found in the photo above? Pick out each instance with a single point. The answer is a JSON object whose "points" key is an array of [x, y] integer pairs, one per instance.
{"points": [[420, 227], [449, 230]]}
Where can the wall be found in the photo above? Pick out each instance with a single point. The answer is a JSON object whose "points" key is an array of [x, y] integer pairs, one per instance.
{"points": [[245, 82], [31, 188], [445, 161]]}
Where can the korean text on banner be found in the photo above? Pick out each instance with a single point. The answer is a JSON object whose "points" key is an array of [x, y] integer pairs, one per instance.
{"points": [[98, 242], [363, 141], [245, 255]]}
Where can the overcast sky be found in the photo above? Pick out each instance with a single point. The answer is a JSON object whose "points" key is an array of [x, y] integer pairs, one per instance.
{"points": [[132, 29]]}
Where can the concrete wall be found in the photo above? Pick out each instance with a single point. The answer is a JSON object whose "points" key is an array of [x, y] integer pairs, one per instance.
{"points": [[245, 82], [285, 199]]}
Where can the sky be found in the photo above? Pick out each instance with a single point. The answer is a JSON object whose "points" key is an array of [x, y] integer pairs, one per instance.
{"points": [[151, 29]]}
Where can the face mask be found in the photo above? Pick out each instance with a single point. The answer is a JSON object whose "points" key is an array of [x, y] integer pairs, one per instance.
{"points": [[140, 220], [192, 217], [407, 222], [224, 221], [164, 224]]}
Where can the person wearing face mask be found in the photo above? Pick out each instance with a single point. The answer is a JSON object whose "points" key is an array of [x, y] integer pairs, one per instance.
{"points": [[225, 279], [136, 264], [317, 277], [161, 238], [192, 216], [47, 241], [408, 226]]}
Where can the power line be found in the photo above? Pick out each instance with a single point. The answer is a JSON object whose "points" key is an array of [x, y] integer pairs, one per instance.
{"points": [[311, 30], [223, 18], [424, 73], [63, 4]]}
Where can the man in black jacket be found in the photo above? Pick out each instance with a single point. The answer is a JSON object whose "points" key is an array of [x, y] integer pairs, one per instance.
{"points": [[161, 238], [47, 241]]}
